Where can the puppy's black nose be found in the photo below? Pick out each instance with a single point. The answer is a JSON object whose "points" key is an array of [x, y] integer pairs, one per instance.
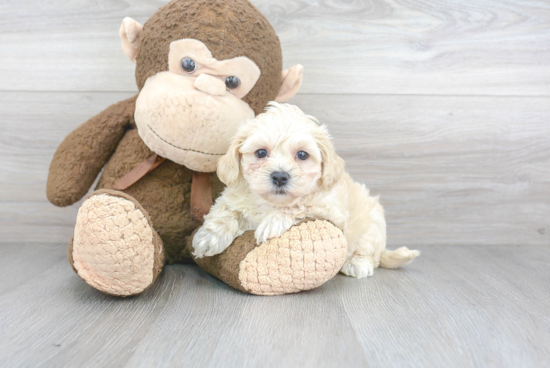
{"points": [[280, 178]]}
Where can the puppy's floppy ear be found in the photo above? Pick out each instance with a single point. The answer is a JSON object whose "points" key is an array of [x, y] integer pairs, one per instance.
{"points": [[333, 165], [229, 164]]}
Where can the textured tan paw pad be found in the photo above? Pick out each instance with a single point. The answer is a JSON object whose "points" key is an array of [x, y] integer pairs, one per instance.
{"points": [[113, 248], [303, 258]]}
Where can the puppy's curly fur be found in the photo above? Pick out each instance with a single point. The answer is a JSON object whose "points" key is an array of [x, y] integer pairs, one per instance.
{"points": [[281, 168]]}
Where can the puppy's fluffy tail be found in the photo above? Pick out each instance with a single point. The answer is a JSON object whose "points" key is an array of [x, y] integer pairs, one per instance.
{"points": [[397, 258]]}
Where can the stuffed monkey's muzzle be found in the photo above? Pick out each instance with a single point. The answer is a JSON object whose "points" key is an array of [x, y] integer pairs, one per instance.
{"points": [[189, 120], [210, 85]]}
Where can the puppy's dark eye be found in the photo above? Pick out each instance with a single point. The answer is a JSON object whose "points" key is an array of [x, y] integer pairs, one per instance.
{"points": [[188, 65], [232, 82], [261, 153], [302, 155]]}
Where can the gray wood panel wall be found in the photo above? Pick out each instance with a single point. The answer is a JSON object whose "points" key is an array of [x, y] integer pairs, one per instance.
{"points": [[442, 107]]}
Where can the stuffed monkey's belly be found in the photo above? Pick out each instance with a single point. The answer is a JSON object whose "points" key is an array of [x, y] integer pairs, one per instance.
{"points": [[164, 193]]}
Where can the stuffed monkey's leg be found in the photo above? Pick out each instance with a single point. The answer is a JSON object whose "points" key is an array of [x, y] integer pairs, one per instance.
{"points": [[303, 258], [114, 247]]}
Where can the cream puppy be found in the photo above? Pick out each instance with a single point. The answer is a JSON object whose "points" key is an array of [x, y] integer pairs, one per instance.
{"points": [[281, 168]]}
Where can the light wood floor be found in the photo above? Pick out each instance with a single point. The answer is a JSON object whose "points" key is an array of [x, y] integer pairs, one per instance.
{"points": [[441, 107], [456, 306]]}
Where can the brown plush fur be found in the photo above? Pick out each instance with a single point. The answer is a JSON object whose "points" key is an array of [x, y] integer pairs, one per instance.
{"points": [[229, 28], [225, 266], [164, 192], [110, 139], [83, 153]]}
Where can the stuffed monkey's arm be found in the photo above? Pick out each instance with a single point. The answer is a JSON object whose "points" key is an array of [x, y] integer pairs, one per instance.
{"points": [[83, 153]]}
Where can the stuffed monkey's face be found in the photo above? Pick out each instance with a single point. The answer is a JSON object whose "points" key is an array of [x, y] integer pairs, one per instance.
{"points": [[189, 108], [189, 113]]}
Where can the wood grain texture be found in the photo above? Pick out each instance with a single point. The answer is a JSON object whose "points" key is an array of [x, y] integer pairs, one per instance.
{"points": [[488, 47], [463, 170], [466, 170], [455, 306], [457, 298], [441, 107]]}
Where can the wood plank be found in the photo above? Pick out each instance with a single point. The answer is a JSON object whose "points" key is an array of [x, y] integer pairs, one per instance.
{"points": [[488, 47], [455, 306], [29, 139], [24, 261], [467, 170], [36, 222], [458, 306], [33, 125], [217, 325], [57, 320]]}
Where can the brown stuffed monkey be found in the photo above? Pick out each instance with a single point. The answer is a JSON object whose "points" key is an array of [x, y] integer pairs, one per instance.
{"points": [[202, 68]]}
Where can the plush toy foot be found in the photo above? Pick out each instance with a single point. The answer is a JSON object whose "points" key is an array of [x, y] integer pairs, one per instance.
{"points": [[303, 258], [115, 248]]}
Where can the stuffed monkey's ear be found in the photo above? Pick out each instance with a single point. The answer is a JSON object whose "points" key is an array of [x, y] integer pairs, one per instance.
{"points": [[130, 34], [229, 164], [290, 83]]}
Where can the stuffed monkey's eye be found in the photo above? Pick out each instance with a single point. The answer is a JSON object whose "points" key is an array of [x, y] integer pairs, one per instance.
{"points": [[232, 82], [261, 153], [302, 155], [188, 65]]}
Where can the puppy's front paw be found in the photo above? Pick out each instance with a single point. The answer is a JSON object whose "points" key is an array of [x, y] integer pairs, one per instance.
{"points": [[358, 266], [272, 227], [208, 243]]}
